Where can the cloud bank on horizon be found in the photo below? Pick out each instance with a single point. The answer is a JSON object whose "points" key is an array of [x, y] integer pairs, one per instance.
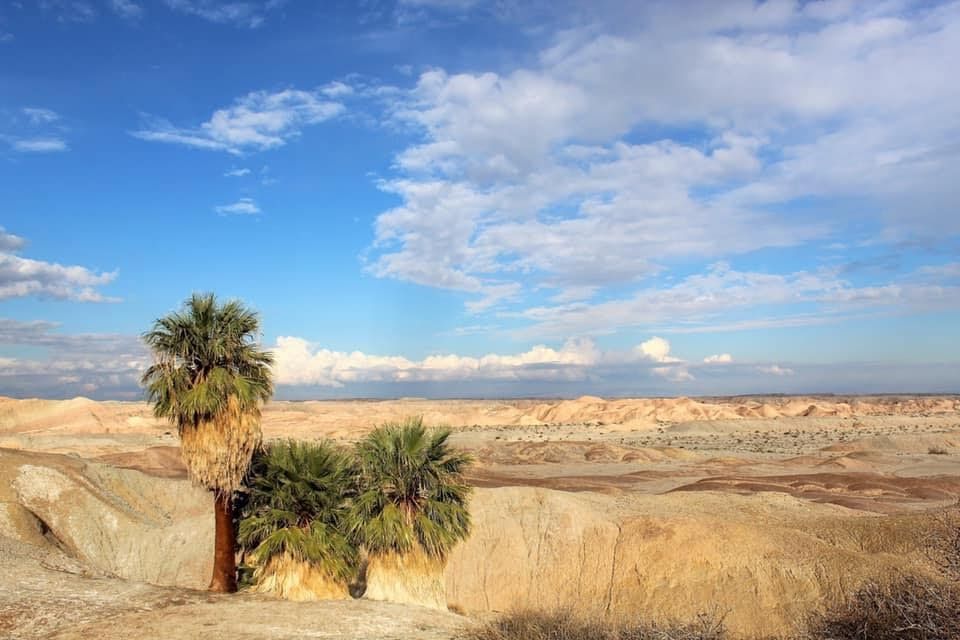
{"points": [[495, 197]]}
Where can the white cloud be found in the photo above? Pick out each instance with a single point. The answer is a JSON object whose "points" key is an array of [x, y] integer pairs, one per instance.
{"points": [[299, 362], [38, 116], [10, 243], [702, 302], [21, 277], [718, 358], [237, 173], [527, 180], [66, 365], [243, 206], [257, 121], [656, 349], [336, 89], [775, 370], [40, 145], [247, 13]]}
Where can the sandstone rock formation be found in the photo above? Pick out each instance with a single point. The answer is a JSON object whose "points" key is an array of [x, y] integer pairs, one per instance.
{"points": [[117, 522], [763, 561]]}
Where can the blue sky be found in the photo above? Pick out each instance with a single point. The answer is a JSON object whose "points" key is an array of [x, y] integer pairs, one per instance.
{"points": [[470, 198]]}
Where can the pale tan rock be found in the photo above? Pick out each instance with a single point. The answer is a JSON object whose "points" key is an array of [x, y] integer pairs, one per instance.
{"points": [[758, 560], [116, 521]]}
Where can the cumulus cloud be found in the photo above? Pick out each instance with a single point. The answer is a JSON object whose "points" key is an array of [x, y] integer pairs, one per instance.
{"points": [[21, 277], [656, 349], [299, 362], [257, 121], [243, 206], [237, 173]]}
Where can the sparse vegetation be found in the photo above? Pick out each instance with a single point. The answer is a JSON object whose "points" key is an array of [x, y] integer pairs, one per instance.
{"points": [[937, 451], [532, 625], [942, 542], [908, 608]]}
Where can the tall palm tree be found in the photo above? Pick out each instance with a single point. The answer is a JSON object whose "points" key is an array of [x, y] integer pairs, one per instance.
{"points": [[411, 509], [210, 378], [293, 520]]}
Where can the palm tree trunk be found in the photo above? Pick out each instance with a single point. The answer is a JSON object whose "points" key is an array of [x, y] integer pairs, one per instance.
{"points": [[225, 544]]}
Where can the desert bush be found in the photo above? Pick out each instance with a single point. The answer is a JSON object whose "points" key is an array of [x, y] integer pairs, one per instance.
{"points": [[296, 509], [908, 608], [942, 542], [532, 625], [937, 451]]}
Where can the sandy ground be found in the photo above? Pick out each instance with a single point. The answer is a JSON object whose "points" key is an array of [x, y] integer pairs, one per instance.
{"points": [[885, 455]]}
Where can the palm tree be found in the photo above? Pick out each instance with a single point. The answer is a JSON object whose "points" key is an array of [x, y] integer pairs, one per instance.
{"points": [[411, 509], [210, 378], [292, 523]]}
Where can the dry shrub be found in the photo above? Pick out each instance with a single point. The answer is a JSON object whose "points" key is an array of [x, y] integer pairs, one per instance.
{"points": [[942, 542], [534, 625], [908, 608]]}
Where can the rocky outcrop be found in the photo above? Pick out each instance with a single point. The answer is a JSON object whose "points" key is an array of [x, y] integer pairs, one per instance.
{"points": [[758, 560], [116, 521]]}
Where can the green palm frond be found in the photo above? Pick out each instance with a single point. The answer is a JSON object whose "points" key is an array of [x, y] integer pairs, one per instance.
{"points": [[296, 506], [411, 491], [205, 354], [210, 377]]}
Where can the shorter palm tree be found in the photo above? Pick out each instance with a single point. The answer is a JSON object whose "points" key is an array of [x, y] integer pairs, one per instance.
{"points": [[293, 520], [410, 510]]}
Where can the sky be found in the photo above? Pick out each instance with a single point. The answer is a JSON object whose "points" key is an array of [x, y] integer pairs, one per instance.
{"points": [[480, 198]]}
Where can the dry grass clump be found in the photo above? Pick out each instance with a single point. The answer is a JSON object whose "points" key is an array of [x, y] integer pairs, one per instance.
{"points": [[908, 608], [941, 543], [534, 625]]}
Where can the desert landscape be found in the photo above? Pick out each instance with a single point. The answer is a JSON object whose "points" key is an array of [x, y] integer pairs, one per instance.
{"points": [[761, 510]]}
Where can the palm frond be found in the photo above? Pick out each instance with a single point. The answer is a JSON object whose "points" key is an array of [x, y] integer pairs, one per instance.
{"points": [[210, 377], [296, 506], [411, 492]]}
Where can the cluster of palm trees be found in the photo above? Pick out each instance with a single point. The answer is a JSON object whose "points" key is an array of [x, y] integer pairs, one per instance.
{"points": [[397, 493]]}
